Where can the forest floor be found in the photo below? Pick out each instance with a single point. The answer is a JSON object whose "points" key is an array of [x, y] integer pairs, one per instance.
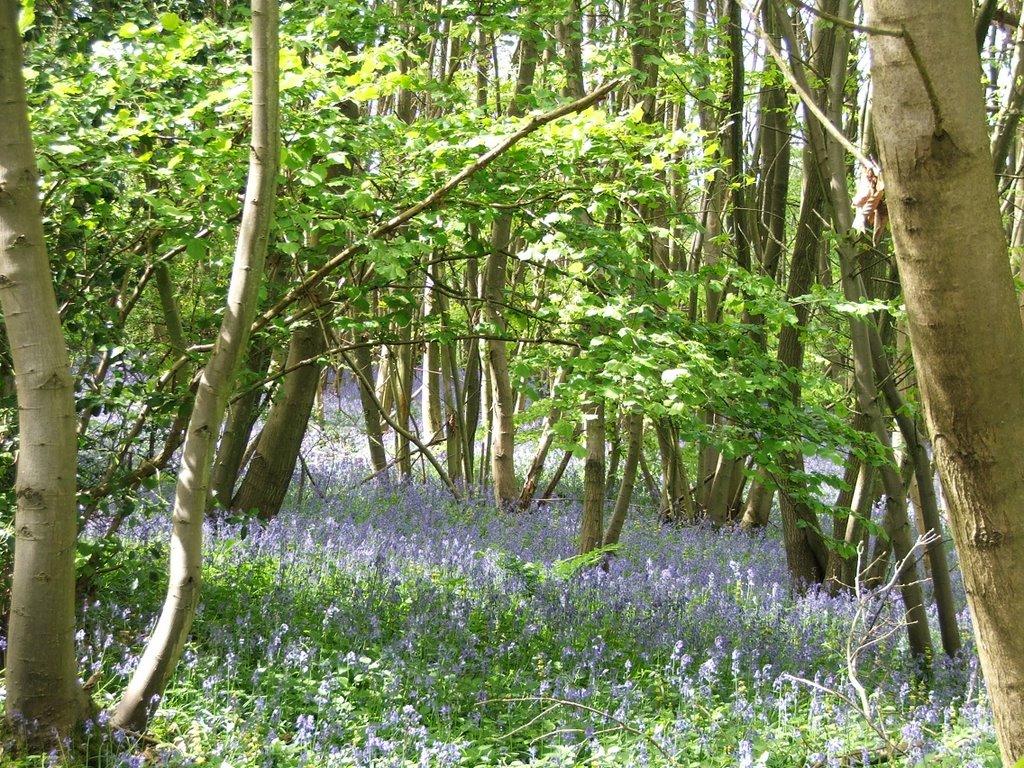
{"points": [[388, 625]]}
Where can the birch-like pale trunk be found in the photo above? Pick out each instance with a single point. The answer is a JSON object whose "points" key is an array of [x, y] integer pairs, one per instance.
{"points": [[965, 327], [44, 699], [168, 640]]}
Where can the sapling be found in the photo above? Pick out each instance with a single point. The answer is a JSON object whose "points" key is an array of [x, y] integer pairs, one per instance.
{"points": [[869, 627]]}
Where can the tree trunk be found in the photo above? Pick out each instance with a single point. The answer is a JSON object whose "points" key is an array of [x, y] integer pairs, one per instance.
{"points": [[45, 701], [362, 358], [493, 294], [592, 525], [805, 548], [677, 504], [966, 332], [168, 640], [634, 447], [928, 504], [402, 387], [433, 423], [832, 168], [501, 396], [241, 416], [547, 438], [272, 465]]}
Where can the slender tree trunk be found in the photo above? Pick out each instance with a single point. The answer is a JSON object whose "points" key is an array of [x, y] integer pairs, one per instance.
{"points": [[592, 525], [45, 700], [493, 294], [433, 424], [967, 337], [719, 492], [272, 465], [472, 383], [570, 36], [402, 387], [634, 447], [759, 502], [547, 438], [502, 397], [928, 506], [241, 417], [853, 531], [556, 476], [805, 549], [828, 155], [168, 640], [677, 504], [362, 357]]}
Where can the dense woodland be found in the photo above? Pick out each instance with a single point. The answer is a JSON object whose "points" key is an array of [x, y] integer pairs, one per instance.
{"points": [[556, 290]]}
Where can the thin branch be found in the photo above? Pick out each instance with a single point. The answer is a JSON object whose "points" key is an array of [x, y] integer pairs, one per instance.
{"points": [[839, 21], [552, 700], [803, 91], [435, 197], [424, 450]]}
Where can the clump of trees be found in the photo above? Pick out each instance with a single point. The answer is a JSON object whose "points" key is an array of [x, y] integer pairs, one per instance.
{"points": [[621, 231]]}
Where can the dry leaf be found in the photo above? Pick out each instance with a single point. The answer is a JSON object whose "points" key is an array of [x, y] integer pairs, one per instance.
{"points": [[869, 202]]}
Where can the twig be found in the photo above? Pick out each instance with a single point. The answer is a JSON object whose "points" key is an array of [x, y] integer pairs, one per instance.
{"points": [[858, 642], [424, 450], [621, 725]]}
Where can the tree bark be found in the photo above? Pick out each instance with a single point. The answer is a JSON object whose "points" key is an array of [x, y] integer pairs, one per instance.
{"points": [[968, 341], [832, 168], [241, 416], [547, 438], [634, 447], [502, 398], [805, 548], [362, 358], [493, 294], [45, 700], [168, 640], [592, 525], [270, 471]]}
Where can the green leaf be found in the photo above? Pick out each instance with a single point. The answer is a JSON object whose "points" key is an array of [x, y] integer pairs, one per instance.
{"points": [[563, 569], [128, 30], [170, 21], [28, 16], [196, 249]]}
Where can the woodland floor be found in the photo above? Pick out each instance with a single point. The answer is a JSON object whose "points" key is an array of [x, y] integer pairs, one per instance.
{"points": [[387, 625]]}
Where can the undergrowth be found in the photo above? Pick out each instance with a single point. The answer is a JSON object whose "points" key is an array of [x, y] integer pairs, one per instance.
{"points": [[393, 627]]}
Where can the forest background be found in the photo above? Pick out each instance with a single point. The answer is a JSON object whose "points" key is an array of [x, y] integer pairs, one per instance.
{"points": [[622, 232]]}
